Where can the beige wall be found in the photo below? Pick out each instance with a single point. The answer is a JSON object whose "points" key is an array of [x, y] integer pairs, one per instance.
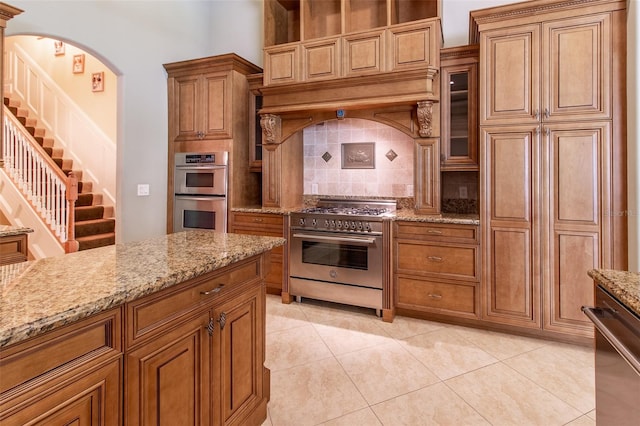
{"points": [[100, 107]]}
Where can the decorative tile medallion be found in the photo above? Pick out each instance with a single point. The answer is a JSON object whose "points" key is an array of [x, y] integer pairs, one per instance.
{"points": [[326, 157], [391, 155]]}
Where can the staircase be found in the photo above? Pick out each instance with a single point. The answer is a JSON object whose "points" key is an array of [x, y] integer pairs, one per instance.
{"points": [[92, 228]]}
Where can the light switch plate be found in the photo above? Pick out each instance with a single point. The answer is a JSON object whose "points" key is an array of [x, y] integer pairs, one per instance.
{"points": [[143, 189]]}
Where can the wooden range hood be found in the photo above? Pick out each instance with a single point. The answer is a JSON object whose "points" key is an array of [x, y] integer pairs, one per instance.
{"points": [[402, 99]]}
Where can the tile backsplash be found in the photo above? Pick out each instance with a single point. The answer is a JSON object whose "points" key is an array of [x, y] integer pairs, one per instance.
{"points": [[393, 172]]}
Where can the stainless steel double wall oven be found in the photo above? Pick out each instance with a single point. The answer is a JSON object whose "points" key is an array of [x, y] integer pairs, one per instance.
{"points": [[200, 186]]}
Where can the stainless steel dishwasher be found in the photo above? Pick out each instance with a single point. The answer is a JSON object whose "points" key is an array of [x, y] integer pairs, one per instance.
{"points": [[617, 361]]}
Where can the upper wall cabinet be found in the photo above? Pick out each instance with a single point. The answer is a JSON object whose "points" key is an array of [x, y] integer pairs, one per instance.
{"points": [[309, 40], [459, 108]]}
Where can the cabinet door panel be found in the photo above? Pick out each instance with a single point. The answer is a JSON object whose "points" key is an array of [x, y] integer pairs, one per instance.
{"points": [[578, 64], [281, 65], [363, 54], [427, 176], [508, 156], [186, 108], [577, 156], [414, 46], [94, 399], [570, 288], [511, 290], [217, 118], [239, 347], [510, 75], [321, 60], [168, 379]]}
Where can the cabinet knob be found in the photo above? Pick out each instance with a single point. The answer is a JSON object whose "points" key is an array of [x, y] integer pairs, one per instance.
{"points": [[536, 114], [222, 320], [546, 113]]}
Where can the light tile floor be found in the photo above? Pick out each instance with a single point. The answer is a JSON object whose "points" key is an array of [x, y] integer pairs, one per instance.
{"points": [[338, 365]]}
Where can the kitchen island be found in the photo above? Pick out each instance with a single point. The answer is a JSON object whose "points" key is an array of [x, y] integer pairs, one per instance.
{"points": [[165, 331], [616, 318]]}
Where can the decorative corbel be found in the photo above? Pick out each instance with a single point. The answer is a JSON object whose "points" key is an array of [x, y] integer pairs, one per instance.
{"points": [[271, 126], [425, 116]]}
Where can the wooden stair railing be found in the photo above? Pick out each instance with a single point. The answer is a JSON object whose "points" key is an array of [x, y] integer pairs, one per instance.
{"points": [[51, 193]]}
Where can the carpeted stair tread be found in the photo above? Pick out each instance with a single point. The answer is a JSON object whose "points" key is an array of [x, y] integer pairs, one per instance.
{"points": [[89, 213], [84, 200], [87, 228], [95, 241]]}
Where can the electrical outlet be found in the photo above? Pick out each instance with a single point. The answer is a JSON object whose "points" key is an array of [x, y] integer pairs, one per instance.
{"points": [[463, 192], [143, 189], [314, 188]]}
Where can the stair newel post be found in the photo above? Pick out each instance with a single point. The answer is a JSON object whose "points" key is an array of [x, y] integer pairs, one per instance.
{"points": [[71, 245]]}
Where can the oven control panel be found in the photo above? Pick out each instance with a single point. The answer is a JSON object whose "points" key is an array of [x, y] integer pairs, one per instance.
{"points": [[337, 224]]}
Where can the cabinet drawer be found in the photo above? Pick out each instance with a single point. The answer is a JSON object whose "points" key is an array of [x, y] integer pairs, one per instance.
{"points": [[149, 315], [443, 261], [467, 234], [60, 350], [417, 294], [258, 219]]}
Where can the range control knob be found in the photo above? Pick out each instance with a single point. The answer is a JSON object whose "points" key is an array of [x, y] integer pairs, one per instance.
{"points": [[367, 226], [314, 222], [339, 224], [326, 223], [353, 225], [301, 221], [359, 226], [333, 223]]}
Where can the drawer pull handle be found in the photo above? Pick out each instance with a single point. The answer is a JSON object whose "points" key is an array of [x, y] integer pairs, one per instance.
{"points": [[215, 290], [257, 219], [435, 258], [435, 296], [210, 327], [434, 232]]}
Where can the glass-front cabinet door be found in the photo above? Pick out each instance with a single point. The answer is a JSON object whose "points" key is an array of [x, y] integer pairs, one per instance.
{"points": [[459, 99]]}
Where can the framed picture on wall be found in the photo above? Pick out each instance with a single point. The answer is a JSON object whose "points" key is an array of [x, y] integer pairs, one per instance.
{"points": [[58, 48], [78, 64], [97, 81], [359, 155]]}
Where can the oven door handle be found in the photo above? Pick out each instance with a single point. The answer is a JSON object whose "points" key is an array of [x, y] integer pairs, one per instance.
{"points": [[611, 338], [367, 241]]}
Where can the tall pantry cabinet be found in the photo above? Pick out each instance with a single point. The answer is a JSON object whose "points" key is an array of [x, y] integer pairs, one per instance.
{"points": [[552, 147]]}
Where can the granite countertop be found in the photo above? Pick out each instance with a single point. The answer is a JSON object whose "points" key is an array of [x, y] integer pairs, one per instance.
{"points": [[259, 209], [401, 214], [624, 286], [451, 218], [8, 230], [40, 295]]}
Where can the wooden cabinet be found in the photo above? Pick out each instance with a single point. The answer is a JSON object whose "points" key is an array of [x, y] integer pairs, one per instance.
{"points": [[551, 84], [13, 249], [201, 106], [459, 108], [437, 269], [209, 106], [195, 351], [556, 70], [267, 224], [72, 374], [307, 40]]}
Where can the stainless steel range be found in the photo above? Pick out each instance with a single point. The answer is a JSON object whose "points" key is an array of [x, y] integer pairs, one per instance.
{"points": [[337, 251]]}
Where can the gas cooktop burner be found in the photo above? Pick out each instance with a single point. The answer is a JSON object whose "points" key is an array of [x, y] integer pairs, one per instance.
{"points": [[352, 207], [362, 211]]}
